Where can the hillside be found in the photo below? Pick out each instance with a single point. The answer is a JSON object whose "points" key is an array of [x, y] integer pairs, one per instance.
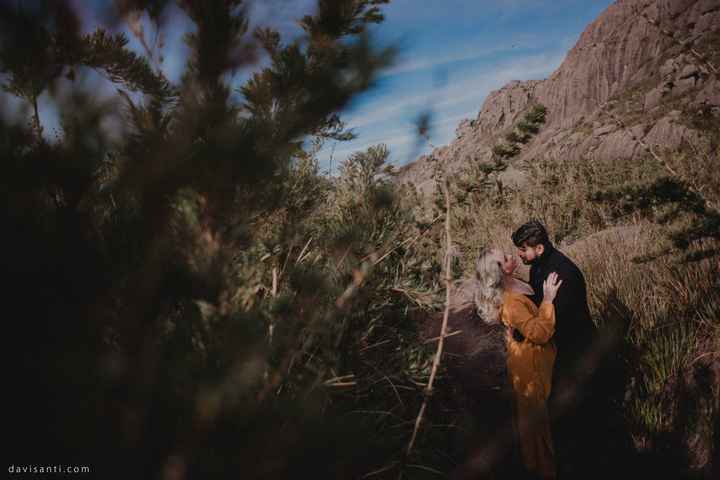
{"points": [[645, 63]]}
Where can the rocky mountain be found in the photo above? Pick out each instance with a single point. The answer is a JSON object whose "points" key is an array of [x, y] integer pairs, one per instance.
{"points": [[645, 64]]}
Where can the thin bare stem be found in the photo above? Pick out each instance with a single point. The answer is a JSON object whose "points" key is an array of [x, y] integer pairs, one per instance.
{"points": [[274, 282], [287, 258], [358, 278], [271, 326], [302, 254], [37, 126], [435, 339], [341, 378], [344, 255], [341, 384], [274, 293], [427, 469], [381, 470], [446, 314], [374, 345]]}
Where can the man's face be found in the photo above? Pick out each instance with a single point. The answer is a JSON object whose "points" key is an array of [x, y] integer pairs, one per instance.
{"points": [[530, 255]]}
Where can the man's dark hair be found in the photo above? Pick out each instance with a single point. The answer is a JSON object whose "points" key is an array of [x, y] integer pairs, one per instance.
{"points": [[532, 232]]}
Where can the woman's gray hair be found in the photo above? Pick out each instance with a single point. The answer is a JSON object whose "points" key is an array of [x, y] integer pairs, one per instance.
{"points": [[488, 287]]}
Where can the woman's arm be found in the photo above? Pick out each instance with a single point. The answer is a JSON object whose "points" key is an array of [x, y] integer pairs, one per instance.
{"points": [[538, 328]]}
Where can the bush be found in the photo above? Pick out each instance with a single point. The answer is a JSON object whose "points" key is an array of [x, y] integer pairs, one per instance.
{"points": [[527, 127], [536, 115], [517, 137], [505, 150]]}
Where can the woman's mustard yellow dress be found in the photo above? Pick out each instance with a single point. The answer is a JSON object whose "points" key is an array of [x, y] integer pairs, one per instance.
{"points": [[530, 365]]}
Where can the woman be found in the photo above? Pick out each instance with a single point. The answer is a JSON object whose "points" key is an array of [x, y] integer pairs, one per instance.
{"points": [[531, 352]]}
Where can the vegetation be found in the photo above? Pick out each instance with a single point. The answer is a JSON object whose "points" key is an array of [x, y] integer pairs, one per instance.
{"points": [[689, 201], [522, 133], [197, 297], [197, 300], [645, 240], [506, 150]]}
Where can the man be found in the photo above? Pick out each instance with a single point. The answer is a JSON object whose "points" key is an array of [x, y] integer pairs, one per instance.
{"points": [[574, 335], [574, 329]]}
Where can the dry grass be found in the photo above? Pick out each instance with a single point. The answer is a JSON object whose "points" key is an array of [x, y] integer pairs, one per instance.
{"points": [[669, 309]]}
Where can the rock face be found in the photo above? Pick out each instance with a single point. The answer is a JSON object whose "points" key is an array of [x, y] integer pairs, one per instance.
{"points": [[645, 62]]}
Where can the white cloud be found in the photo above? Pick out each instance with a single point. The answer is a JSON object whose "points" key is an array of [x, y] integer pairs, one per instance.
{"points": [[477, 85], [410, 64], [388, 119]]}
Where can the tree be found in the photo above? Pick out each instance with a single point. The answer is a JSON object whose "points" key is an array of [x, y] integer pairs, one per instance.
{"points": [[150, 262]]}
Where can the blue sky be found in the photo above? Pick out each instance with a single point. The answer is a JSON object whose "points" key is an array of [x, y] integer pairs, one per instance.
{"points": [[452, 53]]}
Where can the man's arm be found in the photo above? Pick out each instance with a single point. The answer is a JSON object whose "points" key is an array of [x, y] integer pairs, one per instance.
{"points": [[536, 284], [569, 292], [573, 324]]}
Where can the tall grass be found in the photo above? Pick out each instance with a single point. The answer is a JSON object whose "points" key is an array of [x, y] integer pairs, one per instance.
{"points": [[667, 310], [671, 310]]}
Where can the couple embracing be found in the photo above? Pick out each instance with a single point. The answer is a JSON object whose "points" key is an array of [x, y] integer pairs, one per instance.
{"points": [[549, 335]]}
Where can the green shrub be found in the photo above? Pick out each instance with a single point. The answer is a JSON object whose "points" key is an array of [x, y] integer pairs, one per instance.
{"points": [[505, 150], [527, 127], [517, 137], [536, 115], [522, 133]]}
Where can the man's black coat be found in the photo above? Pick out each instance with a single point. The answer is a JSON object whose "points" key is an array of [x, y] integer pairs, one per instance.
{"points": [[574, 329]]}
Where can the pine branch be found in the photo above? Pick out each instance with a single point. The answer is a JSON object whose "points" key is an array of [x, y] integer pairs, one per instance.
{"points": [[108, 53], [337, 18]]}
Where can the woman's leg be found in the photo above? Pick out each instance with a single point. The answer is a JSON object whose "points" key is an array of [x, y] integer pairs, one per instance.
{"points": [[536, 446]]}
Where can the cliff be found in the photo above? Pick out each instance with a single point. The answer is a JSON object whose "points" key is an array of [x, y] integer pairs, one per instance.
{"points": [[647, 63]]}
